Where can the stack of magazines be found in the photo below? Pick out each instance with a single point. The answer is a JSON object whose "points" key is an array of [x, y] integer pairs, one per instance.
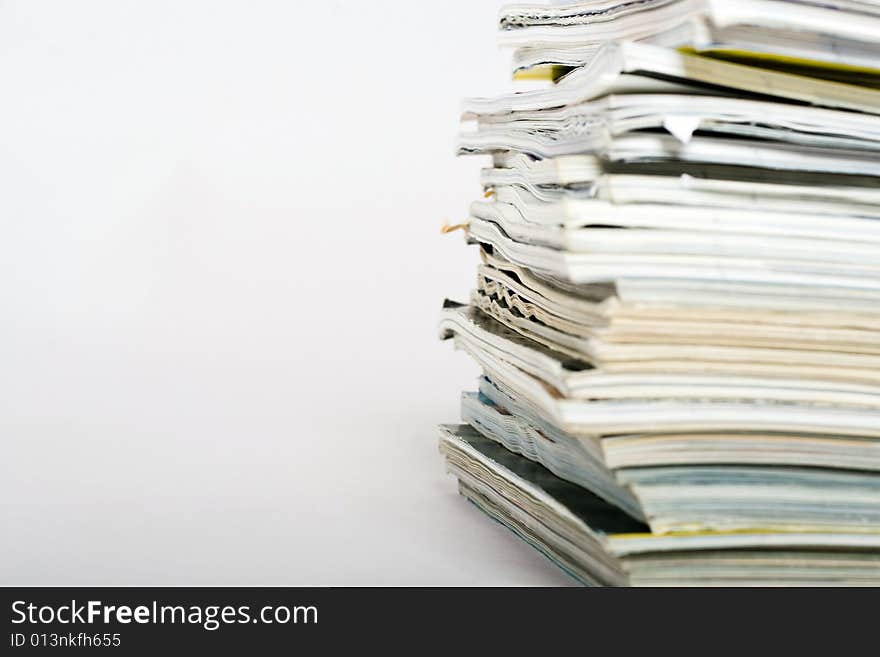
{"points": [[677, 309]]}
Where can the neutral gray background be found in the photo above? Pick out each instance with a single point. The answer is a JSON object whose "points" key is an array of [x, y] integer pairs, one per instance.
{"points": [[220, 276]]}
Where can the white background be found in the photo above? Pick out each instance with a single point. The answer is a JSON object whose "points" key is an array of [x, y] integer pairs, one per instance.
{"points": [[220, 277]]}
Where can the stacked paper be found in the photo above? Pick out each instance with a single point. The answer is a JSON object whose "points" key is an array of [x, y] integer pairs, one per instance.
{"points": [[677, 310]]}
